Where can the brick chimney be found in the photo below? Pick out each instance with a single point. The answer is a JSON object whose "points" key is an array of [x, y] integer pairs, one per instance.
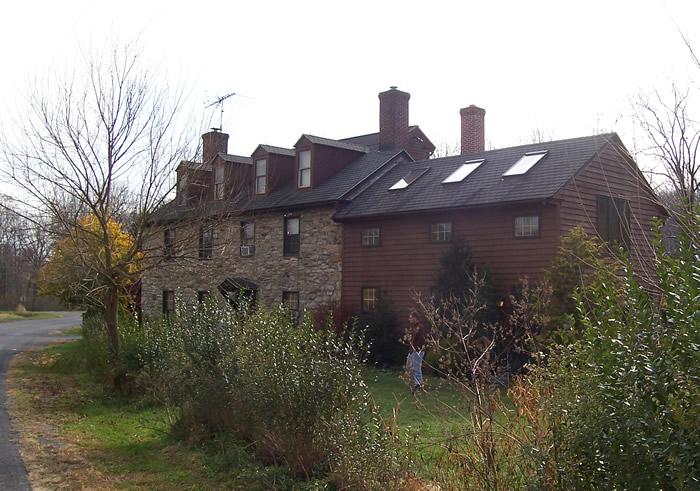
{"points": [[472, 129], [393, 117], [213, 143]]}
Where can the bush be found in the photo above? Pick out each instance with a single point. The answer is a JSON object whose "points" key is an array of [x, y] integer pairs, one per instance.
{"points": [[624, 402], [383, 334], [120, 371]]}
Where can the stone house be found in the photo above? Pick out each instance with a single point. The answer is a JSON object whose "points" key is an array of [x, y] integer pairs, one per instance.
{"points": [[359, 219]]}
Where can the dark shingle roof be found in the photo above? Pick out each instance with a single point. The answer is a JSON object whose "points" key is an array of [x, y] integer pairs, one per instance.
{"points": [[485, 185], [335, 143], [333, 189], [236, 158], [290, 152]]}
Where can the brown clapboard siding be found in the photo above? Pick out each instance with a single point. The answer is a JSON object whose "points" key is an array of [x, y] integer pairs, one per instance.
{"points": [[612, 173], [407, 262]]}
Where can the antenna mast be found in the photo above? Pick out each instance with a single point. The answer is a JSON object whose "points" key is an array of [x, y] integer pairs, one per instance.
{"points": [[219, 101]]}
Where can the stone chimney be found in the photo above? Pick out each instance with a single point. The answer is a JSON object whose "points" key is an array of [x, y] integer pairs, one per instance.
{"points": [[472, 129], [213, 143], [393, 117]]}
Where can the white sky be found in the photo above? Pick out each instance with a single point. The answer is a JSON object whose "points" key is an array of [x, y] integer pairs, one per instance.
{"points": [[566, 68]]}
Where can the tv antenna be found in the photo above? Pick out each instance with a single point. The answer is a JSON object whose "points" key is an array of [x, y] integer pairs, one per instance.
{"points": [[219, 102]]}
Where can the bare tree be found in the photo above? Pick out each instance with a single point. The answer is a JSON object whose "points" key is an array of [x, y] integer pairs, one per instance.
{"points": [[674, 140], [102, 141]]}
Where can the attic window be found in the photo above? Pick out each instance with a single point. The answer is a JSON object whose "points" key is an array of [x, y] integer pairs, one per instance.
{"points": [[463, 171], [525, 163], [408, 179]]}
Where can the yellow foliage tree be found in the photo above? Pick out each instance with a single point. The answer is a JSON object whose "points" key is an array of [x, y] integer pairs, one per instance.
{"points": [[93, 259]]}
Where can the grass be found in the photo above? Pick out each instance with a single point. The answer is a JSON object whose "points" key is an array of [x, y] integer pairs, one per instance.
{"points": [[10, 316], [126, 440]]}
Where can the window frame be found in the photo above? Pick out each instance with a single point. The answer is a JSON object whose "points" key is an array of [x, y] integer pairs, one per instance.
{"points": [[182, 189], [203, 295], [533, 236], [364, 236], [245, 240], [435, 234], [365, 308], [291, 243], [304, 171], [260, 178], [615, 227], [168, 302], [169, 242], [219, 182], [292, 308], [206, 242]]}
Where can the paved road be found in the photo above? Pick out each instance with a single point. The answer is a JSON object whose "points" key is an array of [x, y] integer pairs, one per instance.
{"points": [[14, 337]]}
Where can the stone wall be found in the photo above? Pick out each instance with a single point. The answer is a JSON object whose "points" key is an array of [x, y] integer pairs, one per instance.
{"points": [[315, 273]]}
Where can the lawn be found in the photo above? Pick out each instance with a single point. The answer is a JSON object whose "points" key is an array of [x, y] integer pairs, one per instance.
{"points": [[127, 441], [9, 316]]}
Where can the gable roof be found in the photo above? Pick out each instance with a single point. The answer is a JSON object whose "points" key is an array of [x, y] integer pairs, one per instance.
{"points": [[333, 143], [238, 159], [485, 186], [289, 152]]}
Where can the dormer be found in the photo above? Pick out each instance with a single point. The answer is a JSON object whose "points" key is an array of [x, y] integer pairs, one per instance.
{"points": [[230, 175], [193, 182], [272, 167], [319, 158]]}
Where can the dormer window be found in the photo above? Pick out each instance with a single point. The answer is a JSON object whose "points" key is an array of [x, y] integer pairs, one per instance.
{"points": [[182, 190], [304, 169], [219, 183], [260, 176]]}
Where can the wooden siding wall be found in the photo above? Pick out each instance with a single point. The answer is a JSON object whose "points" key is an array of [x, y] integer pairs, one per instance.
{"points": [[407, 261], [610, 174]]}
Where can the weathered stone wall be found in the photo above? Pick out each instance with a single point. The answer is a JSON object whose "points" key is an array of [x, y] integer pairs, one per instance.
{"points": [[315, 273]]}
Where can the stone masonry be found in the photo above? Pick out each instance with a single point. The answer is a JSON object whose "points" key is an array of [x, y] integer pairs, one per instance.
{"points": [[315, 273]]}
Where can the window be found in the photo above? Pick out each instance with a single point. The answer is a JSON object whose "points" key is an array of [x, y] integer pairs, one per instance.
{"points": [[291, 236], [614, 220], [169, 242], [371, 237], [290, 300], [305, 168], [260, 176], [441, 232], [524, 164], [168, 302], [525, 227], [202, 296], [219, 183], [370, 299], [409, 178], [247, 239], [182, 190], [463, 171], [206, 242]]}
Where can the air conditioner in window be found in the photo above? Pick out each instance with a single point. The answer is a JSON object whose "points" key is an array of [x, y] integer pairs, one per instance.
{"points": [[247, 251]]}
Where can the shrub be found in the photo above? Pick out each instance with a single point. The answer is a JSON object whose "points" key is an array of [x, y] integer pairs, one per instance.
{"points": [[383, 334], [624, 402], [120, 371], [190, 364]]}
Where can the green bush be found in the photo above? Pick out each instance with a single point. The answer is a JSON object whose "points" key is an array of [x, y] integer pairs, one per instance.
{"points": [[383, 334], [120, 371], [190, 365], [624, 400]]}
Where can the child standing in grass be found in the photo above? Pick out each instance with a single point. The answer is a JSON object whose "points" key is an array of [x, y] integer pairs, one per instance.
{"points": [[414, 361]]}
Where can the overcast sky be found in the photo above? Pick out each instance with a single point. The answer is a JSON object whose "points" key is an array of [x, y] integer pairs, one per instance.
{"points": [[564, 68]]}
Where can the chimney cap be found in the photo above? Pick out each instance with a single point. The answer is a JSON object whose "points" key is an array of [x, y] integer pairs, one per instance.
{"points": [[393, 87]]}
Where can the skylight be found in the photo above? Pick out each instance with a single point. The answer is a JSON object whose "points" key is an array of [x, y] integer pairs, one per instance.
{"points": [[408, 179], [525, 163], [463, 171]]}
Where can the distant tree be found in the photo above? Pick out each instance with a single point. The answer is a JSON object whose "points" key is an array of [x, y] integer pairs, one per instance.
{"points": [[101, 141]]}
